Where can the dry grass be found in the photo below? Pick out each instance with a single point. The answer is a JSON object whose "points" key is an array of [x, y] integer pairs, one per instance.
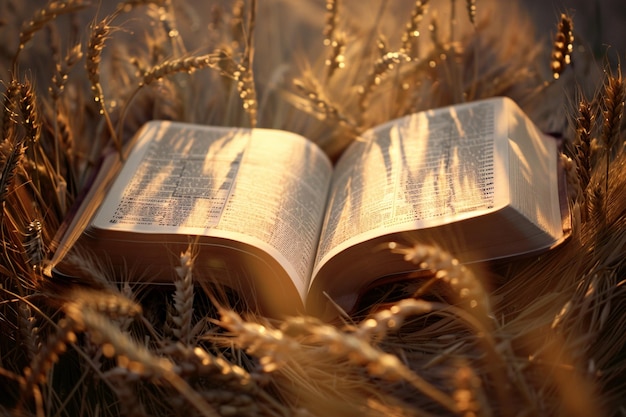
{"points": [[538, 336]]}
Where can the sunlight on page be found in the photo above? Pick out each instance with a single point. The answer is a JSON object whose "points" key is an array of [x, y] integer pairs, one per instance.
{"points": [[181, 182], [418, 171], [265, 188]]}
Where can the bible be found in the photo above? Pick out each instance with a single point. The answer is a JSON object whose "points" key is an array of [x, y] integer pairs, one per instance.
{"points": [[273, 218]]}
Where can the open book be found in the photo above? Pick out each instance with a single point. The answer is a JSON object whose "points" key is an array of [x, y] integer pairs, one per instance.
{"points": [[276, 221]]}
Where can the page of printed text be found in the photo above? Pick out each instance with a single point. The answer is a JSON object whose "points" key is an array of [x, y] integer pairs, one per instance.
{"points": [[418, 171], [263, 187]]}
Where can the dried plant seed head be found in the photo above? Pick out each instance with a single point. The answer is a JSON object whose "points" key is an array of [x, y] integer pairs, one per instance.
{"points": [[10, 108], [382, 66], [37, 371], [318, 104], [563, 46], [332, 19], [584, 123], [30, 114], [471, 11], [97, 37], [247, 91], [183, 298], [612, 111], [236, 23], [174, 66], [28, 330], [61, 75], [45, 15], [412, 33], [337, 58], [34, 245], [12, 152]]}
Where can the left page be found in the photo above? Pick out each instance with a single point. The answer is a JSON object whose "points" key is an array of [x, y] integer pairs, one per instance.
{"points": [[266, 188]]}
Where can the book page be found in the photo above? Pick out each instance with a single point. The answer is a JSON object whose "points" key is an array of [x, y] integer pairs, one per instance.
{"points": [[266, 188], [419, 171]]}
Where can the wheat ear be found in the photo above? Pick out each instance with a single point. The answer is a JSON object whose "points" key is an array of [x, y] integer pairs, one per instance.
{"points": [[34, 245], [449, 270], [99, 34], [584, 124], [28, 330], [173, 66], [337, 59], [12, 149], [563, 46], [382, 66], [612, 113], [332, 20], [471, 11], [31, 120], [468, 395], [183, 297], [411, 33], [320, 105], [123, 383], [236, 22], [245, 75], [36, 372], [359, 351], [41, 18], [129, 354]]}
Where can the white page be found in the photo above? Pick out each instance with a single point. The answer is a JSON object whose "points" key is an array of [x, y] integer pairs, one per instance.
{"points": [[263, 187], [419, 171]]}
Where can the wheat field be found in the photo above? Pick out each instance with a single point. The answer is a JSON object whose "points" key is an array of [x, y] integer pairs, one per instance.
{"points": [[539, 336]]}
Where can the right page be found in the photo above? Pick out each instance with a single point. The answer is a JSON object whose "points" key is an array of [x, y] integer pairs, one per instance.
{"points": [[424, 170], [478, 179]]}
